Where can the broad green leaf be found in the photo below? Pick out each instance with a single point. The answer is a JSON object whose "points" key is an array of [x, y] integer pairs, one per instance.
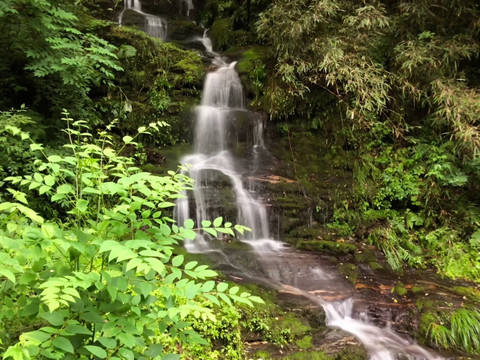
{"points": [[177, 260], [49, 180], [97, 351], [65, 189], [82, 205], [35, 337], [154, 350], [212, 298], [171, 357], [222, 286], [55, 318], [63, 344], [8, 274], [206, 223], [208, 286], [211, 231], [54, 158], [156, 265], [225, 298], [190, 265], [233, 290], [218, 221], [109, 343], [189, 224], [127, 139], [78, 329]]}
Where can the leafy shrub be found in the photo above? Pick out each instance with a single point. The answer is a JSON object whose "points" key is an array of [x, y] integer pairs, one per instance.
{"points": [[104, 281]]}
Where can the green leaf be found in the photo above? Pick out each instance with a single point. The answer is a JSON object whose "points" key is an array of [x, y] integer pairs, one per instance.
{"points": [[225, 298], [208, 286], [8, 274], [35, 337], [189, 224], [154, 350], [222, 286], [233, 290], [82, 205], [211, 232], [65, 189], [190, 265], [49, 180], [206, 223], [63, 344], [177, 260], [97, 351], [78, 329], [54, 158], [171, 357], [156, 265], [109, 343], [218, 221], [55, 318], [212, 298], [127, 139]]}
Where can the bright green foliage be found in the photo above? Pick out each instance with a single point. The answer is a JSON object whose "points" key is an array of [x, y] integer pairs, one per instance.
{"points": [[104, 281], [52, 60], [457, 330], [15, 156]]}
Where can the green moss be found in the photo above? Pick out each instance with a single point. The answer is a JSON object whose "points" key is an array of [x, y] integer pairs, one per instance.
{"points": [[365, 256], [310, 355], [471, 293], [327, 246], [349, 270], [375, 265], [221, 33], [160, 81], [417, 289], [262, 354], [399, 288], [304, 343]]}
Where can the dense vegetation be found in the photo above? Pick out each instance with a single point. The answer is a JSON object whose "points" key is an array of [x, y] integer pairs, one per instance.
{"points": [[393, 86], [90, 260]]}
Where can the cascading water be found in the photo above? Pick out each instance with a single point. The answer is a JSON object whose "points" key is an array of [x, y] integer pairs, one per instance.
{"points": [[220, 176], [154, 26]]}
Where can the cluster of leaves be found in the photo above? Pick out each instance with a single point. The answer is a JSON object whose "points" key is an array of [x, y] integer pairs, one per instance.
{"points": [[53, 61], [459, 329], [401, 78], [103, 281]]}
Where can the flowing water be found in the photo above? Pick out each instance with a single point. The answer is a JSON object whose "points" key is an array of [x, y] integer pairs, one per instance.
{"points": [[153, 25], [221, 178]]}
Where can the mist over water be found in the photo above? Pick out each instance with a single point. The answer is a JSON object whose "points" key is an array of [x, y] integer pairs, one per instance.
{"points": [[218, 172]]}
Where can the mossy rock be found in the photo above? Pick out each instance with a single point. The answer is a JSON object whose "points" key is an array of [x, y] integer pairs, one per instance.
{"points": [[307, 355], [400, 288], [304, 343], [351, 353], [470, 293], [327, 246], [349, 270], [365, 256]]}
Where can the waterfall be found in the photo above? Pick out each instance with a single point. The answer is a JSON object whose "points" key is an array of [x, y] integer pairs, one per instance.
{"points": [[154, 26], [220, 180], [213, 164]]}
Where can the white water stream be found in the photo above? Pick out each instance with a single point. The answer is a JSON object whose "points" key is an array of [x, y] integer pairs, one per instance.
{"points": [[218, 175], [154, 26]]}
